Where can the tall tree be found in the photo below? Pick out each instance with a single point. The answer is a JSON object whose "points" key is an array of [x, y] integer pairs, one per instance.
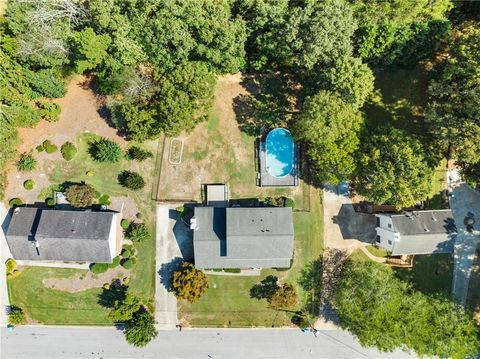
{"points": [[385, 312], [189, 283], [90, 49], [392, 169], [141, 329], [454, 108], [330, 128], [319, 32]]}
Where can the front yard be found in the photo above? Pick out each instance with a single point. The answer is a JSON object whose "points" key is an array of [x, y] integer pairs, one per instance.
{"points": [[227, 302]]}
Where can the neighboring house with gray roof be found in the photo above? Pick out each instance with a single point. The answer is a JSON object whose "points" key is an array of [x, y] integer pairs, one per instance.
{"points": [[243, 237], [418, 232], [69, 236]]}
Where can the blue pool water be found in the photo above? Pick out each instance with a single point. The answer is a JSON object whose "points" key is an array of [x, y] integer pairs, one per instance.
{"points": [[279, 152]]}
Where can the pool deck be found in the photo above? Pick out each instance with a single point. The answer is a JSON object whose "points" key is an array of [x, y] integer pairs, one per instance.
{"points": [[267, 180]]}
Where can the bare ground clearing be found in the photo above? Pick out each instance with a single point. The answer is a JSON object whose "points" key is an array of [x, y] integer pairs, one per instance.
{"points": [[217, 151]]}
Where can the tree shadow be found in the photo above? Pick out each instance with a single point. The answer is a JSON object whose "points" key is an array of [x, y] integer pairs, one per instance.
{"points": [[117, 291], [270, 103], [311, 282], [166, 272], [265, 289]]}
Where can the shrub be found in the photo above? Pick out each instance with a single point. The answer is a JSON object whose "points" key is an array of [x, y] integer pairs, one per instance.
{"points": [[126, 280], [89, 173], [15, 202], [289, 202], [137, 153], [128, 264], [124, 223], [126, 253], [80, 195], [68, 151], [130, 248], [45, 83], [106, 286], [131, 180], [105, 150], [26, 162], [98, 268], [104, 199], [9, 275], [16, 316], [10, 265], [50, 202], [49, 111], [115, 262], [40, 148], [29, 184], [49, 146], [97, 194], [137, 232]]}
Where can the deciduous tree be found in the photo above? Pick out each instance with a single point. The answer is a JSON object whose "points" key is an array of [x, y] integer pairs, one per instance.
{"points": [[141, 329], [189, 283], [329, 127], [284, 297]]}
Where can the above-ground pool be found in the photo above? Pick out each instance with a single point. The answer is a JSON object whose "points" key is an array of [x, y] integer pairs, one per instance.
{"points": [[279, 152]]}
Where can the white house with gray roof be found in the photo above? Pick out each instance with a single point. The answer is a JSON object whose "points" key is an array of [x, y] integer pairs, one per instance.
{"points": [[418, 232], [243, 237], [69, 236]]}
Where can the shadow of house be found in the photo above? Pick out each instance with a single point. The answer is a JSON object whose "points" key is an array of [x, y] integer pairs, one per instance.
{"points": [[166, 272], [354, 225], [184, 237]]}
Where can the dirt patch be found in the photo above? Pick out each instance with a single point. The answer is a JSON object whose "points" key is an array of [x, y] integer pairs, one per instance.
{"points": [[126, 205], [81, 110], [86, 280]]}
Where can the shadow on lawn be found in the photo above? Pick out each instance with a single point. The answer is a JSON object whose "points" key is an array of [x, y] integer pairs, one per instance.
{"points": [[117, 291], [265, 289]]}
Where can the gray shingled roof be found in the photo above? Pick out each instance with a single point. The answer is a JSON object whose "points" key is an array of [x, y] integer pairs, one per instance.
{"points": [[424, 232], [253, 237], [62, 235]]}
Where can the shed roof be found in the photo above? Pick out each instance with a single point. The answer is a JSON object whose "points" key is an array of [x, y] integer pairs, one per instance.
{"points": [[217, 195]]}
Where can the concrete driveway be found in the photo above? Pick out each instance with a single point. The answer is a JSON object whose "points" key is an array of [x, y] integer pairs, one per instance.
{"points": [[173, 244], [344, 228], [464, 202]]}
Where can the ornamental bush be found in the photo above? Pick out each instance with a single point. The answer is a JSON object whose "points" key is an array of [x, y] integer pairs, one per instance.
{"points": [[49, 111], [104, 199], [115, 262], [26, 162], [98, 268], [10, 265], [49, 146], [50, 202], [126, 253], [68, 151], [105, 150], [124, 223], [29, 184], [128, 264], [16, 316], [137, 232], [15, 202], [137, 153], [289, 202], [131, 180]]}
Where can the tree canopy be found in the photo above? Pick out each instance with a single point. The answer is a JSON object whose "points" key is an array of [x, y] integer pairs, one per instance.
{"points": [[392, 169], [189, 283], [453, 112], [330, 127], [385, 312]]}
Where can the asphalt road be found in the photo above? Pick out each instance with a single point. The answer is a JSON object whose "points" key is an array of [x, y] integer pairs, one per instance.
{"points": [[109, 343]]}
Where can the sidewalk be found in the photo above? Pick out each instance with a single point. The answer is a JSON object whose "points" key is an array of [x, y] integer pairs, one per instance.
{"points": [[4, 255]]}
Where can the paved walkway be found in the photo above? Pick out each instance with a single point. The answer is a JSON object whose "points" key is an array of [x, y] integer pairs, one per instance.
{"points": [[464, 202], [166, 252], [4, 255]]}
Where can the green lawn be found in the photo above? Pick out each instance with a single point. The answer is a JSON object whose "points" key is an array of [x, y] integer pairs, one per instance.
{"points": [[377, 251], [227, 301], [430, 273], [24, 288], [50, 306]]}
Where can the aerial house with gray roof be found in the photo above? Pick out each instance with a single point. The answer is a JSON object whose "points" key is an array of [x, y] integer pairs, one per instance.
{"points": [[67, 236], [417, 232], [243, 237]]}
